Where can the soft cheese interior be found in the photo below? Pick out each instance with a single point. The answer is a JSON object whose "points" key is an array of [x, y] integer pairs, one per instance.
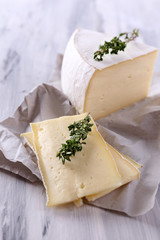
{"points": [[119, 85], [92, 173], [104, 87]]}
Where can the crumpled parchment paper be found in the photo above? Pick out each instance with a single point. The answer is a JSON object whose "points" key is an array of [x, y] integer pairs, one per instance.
{"points": [[134, 131]]}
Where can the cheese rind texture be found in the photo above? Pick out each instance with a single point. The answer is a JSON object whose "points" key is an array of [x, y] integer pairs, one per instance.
{"points": [[87, 42], [91, 171], [107, 86], [75, 75]]}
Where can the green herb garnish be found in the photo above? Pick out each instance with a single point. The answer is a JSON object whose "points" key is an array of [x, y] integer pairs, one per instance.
{"points": [[78, 132], [115, 45]]}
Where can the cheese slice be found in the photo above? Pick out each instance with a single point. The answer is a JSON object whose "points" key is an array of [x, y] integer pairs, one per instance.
{"points": [[105, 87], [30, 142], [78, 202], [91, 171], [135, 164], [29, 139], [128, 169]]}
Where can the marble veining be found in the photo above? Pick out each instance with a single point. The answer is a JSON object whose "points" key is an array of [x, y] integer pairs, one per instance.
{"points": [[11, 61]]}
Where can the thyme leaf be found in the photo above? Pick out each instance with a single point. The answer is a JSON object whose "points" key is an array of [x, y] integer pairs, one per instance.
{"points": [[78, 132], [115, 45]]}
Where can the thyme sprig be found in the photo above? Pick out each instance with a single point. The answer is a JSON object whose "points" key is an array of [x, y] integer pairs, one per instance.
{"points": [[116, 44], [78, 132]]}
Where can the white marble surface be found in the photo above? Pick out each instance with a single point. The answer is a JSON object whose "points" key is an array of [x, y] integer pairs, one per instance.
{"points": [[32, 32]]}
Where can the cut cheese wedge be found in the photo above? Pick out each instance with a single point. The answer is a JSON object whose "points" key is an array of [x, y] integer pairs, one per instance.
{"points": [[128, 169], [105, 87], [91, 171]]}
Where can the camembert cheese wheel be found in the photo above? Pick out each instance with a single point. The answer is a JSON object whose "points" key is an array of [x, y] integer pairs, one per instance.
{"points": [[107, 86]]}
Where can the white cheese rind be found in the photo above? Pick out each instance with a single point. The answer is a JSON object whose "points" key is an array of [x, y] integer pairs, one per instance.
{"points": [[87, 42], [91, 171], [75, 75]]}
